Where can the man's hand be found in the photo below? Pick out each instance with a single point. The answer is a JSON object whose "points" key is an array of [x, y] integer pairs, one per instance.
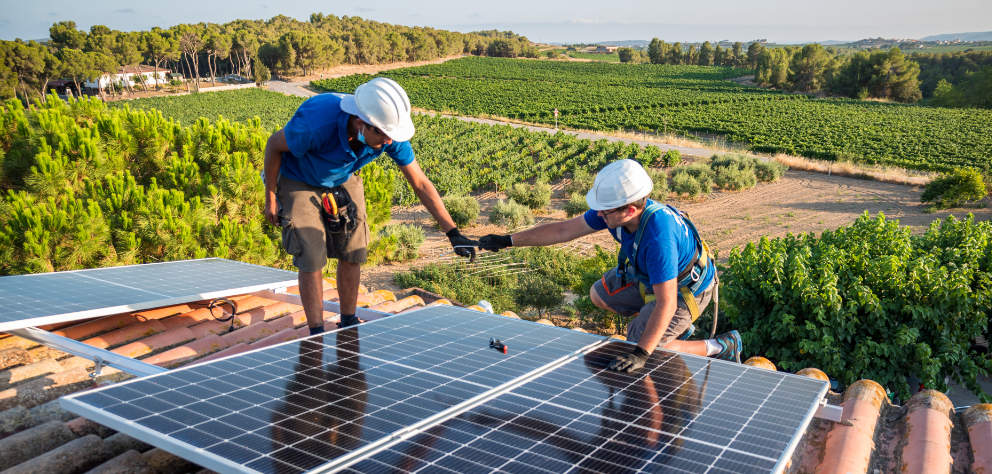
{"points": [[271, 211], [464, 246], [495, 242], [630, 362]]}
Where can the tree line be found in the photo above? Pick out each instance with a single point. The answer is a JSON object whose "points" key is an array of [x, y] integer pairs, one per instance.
{"points": [[253, 49], [660, 52]]}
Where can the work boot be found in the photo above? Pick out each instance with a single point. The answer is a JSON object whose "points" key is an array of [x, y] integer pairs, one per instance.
{"points": [[731, 346], [348, 320]]}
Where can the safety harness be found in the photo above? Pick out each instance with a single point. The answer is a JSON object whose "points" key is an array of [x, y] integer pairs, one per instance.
{"points": [[689, 278]]}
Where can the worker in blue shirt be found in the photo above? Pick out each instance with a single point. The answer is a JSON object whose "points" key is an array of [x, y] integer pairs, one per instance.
{"points": [[665, 275], [313, 188]]}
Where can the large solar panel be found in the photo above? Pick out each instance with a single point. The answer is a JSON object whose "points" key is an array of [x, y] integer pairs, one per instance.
{"points": [[46, 298], [424, 391], [681, 413]]}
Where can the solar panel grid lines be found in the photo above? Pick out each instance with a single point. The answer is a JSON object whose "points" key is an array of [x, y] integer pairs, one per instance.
{"points": [[529, 430], [46, 298], [268, 410]]}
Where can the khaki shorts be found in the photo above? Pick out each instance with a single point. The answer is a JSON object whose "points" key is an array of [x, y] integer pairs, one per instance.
{"points": [[303, 233], [627, 301]]}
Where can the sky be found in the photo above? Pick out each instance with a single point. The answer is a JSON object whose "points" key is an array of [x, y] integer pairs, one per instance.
{"points": [[561, 21]]}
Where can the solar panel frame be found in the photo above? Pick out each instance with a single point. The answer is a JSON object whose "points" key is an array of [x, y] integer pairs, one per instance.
{"points": [[451, 456], [27, 302], [374, 328], [415, 328]]}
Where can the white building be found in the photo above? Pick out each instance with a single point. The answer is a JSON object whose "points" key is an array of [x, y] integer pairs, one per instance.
{"points": [[127, 73]]}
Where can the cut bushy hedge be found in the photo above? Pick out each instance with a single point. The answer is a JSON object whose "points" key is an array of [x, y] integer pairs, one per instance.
{"points": [[868, 301], [510, 214], [463, 209], [534, 196], [396, 243], [955, 189]]}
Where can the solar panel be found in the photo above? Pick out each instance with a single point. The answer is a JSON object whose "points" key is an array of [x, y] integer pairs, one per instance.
{"points": [[681, 413], [46, 298], [424, 391], [293, 407]]}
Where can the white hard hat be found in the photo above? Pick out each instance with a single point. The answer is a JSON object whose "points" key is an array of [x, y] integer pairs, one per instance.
{"points": [[383, 104], [619, 183]]}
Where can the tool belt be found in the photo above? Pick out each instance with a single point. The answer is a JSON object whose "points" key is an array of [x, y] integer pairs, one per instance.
{"points": [[340, 215]]}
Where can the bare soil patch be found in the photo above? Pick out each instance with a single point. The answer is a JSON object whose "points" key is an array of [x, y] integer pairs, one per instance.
{"points": [[800, 202]]}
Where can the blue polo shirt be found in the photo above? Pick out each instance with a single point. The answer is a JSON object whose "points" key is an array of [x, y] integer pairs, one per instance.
{"points": [[667, 245], [319, 154]]}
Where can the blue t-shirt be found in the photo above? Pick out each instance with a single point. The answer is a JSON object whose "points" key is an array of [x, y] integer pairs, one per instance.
{"points": [[319, 154], [667, 245]]}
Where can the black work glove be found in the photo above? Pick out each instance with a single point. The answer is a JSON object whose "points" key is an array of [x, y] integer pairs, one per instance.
{"points": [[630, 362], [495, 242], [464, 246]]}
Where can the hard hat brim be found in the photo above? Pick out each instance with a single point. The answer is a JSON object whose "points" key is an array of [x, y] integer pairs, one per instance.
{"points": [[403, 132]]}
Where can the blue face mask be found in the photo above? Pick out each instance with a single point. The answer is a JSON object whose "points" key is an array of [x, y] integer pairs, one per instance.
{"points": [[361, 137]]}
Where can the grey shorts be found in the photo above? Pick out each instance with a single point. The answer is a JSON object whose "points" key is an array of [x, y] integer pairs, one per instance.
{"points": [[627, 301], [303, 233]]}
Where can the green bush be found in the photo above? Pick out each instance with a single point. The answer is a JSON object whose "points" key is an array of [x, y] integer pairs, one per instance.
{"points": [[463, 209], [510, 214], [538, 292], [692, 180], [660, 180], [534, 196], [576, 204], [868, 301], [671, 158], [769, 171], [684, 184], [377, 182], [735, 179], [956, 188], [396, 243], [581, 182]]}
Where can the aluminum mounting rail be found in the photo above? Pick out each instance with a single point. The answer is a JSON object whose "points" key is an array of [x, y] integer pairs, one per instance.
{"points": [[100, 356]]}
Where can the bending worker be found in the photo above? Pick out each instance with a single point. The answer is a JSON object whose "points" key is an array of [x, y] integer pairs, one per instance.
{"points": [[314, 192], [664, 274]]}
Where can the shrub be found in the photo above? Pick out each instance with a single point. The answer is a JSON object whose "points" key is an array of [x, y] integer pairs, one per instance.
{"points": [[671, 158], [733, 171], [581, 182], [539, 292], [396, 243], [534, 196], [868, 301], [684, 184], [463, 209], [510, 214], [735, 179], [660, 180], [703, 174], [769, 171], [955, 189], [576, 204]]}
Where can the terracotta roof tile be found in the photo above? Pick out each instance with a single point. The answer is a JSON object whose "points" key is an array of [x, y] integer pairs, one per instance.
{"points": [[923, 436]]}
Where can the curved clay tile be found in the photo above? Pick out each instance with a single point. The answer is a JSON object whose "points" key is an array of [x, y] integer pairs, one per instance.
{"points": [[761, 363], [928, 433], [814, 373], [850, 442], [978, 420]]}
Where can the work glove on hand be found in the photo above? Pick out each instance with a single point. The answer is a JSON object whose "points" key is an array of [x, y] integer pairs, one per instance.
{"points": [[495, 242], [464, 246], [630, 362]]}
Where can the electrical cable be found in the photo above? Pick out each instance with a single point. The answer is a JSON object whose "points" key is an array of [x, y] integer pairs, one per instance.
{"points": [[219, 303]]}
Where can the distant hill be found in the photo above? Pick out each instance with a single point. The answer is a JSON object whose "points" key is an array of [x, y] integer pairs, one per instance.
{"points": [[973, 36], [626, 43]]}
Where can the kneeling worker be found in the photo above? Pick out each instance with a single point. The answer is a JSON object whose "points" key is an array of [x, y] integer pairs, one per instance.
{"points": [[664, 274], [314, 192]]}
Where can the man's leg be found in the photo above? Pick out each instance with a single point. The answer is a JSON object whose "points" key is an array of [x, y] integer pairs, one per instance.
{"points": [[311, 294], [349, 275]]}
